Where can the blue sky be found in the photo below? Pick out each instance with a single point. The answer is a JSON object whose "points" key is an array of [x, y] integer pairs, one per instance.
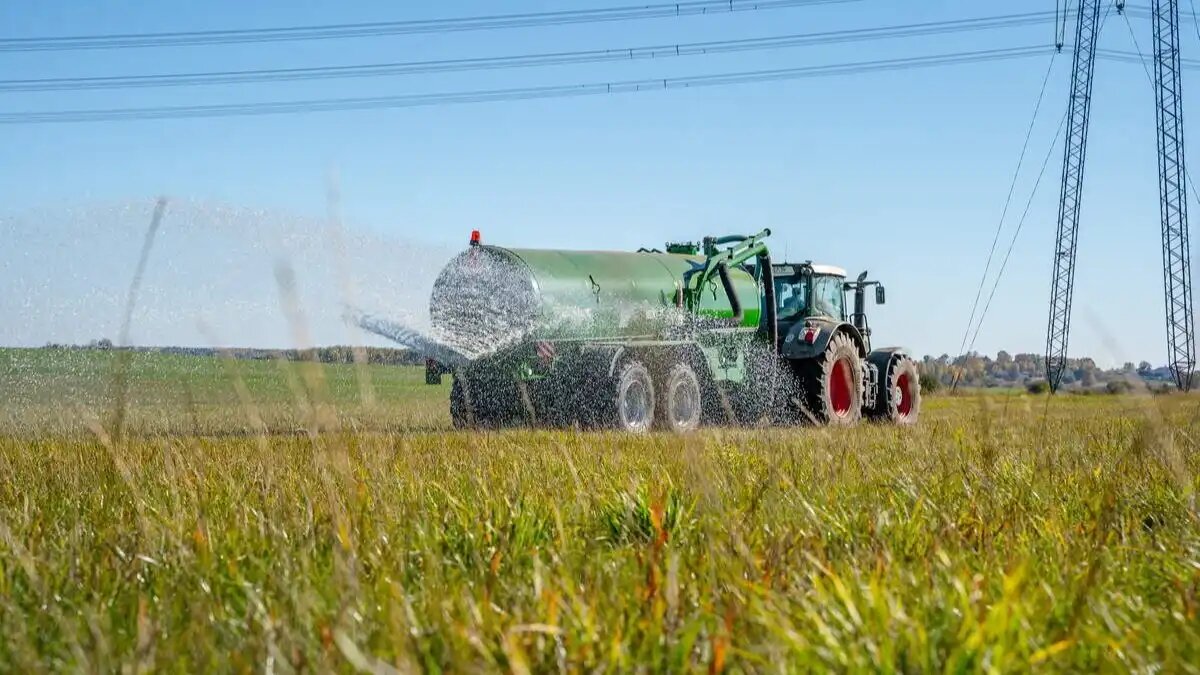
{"points": [[902, 173]]}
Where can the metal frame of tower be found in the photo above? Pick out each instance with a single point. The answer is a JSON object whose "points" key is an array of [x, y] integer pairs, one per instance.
{"points": [[1172, 175], [1087, 30]]}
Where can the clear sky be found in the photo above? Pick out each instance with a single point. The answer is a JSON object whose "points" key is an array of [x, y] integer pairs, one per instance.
{"points": [[903, 173]]}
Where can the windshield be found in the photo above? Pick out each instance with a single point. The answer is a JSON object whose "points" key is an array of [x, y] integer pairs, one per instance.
{"points": [[829, 297], [791, 297], [801, 296]]}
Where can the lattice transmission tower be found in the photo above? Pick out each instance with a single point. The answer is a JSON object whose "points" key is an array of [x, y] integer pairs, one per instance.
{"points": [[1173, 183]]}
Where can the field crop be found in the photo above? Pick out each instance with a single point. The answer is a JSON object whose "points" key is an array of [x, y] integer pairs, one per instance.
{"points": [[280, 517]]}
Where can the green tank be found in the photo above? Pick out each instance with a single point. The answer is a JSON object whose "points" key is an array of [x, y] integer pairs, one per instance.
{"points": [[510, 294]]}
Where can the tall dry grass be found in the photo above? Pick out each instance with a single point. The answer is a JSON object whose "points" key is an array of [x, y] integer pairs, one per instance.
{"points": [[1003, 533]]}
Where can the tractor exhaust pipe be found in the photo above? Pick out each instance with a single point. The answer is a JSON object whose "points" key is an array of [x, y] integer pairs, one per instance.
{"points": [[860, 302]]}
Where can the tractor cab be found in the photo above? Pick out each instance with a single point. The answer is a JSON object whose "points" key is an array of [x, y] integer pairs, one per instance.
{"points": [[806, 290], [809, 291]]}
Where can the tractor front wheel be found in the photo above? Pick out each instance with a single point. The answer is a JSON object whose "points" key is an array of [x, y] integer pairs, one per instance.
{"points": [[833, 384]]}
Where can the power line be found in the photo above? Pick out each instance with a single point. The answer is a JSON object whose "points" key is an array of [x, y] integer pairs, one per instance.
{"points": [[1016, 233], [1137, 11], [1060, 25], [1139, 59], [1037, 108], [525, 93], [1195, 24], [382, 28], [1028, 204], [527, 60], [1146, 12]]}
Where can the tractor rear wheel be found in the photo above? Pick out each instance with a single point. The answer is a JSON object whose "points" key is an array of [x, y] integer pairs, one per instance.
{"points": [[833, 384], [680, 403], [632, 405], [898, 399]]}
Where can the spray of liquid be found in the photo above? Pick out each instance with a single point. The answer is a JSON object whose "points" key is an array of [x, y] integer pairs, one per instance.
{"points": [[212, 263]]}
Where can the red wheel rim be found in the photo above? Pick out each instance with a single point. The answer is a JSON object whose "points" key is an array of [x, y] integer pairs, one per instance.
{"points": [[904, 401], [839, 388]]}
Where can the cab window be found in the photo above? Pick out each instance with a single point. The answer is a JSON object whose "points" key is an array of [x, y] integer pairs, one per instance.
{"points": [[829, 297], [791, 297]]}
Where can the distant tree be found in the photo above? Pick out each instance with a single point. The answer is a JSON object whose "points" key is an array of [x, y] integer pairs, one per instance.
{"points": [[1118, 387], [929, 383], [104, 343], [1087, 377], [973, 369], [1038, 387]]}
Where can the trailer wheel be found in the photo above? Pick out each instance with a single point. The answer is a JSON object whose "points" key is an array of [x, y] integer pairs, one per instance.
{"points": [[459, 411], [484, 403], [634, 398], [899, 397], [680, 402], [833, 384]]}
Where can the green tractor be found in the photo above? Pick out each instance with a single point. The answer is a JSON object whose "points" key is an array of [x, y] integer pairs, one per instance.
{"points": [[698, 333]]}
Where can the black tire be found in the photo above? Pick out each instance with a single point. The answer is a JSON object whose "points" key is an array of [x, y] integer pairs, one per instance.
{"points": [[564, 400], [460, 414], [482, 402], [898, 399], [680, 401], [832, 384], [631, 407]]}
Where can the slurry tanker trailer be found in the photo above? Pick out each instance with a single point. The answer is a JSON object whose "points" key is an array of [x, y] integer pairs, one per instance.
{"points": [[713, 332]]}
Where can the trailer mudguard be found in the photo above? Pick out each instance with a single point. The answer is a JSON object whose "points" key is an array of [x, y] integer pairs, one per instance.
{"points": [[602, 356], [808, 338]]}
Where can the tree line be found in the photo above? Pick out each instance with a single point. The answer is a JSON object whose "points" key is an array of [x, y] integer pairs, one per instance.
{"points": [[972, 369], [330, 354], [1019, 370]]}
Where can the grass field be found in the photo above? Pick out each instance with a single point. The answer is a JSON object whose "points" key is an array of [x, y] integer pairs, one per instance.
{"points": [[272, 517], [69, 391]]}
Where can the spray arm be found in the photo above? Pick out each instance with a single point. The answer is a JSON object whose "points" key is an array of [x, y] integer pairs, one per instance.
{"points": [[748, 246], [718, 259]]}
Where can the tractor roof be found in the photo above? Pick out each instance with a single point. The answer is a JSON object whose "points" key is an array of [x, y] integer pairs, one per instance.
{"points": [[828, 269]]}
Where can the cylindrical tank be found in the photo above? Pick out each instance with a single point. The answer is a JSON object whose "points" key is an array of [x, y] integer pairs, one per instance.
{"points": [[490, 295]]}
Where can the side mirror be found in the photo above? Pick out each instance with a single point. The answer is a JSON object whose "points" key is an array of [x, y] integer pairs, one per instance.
{"points": [[880, 295]]}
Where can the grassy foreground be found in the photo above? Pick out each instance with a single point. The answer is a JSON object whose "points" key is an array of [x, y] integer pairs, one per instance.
{"points": [[1003, 533]]}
